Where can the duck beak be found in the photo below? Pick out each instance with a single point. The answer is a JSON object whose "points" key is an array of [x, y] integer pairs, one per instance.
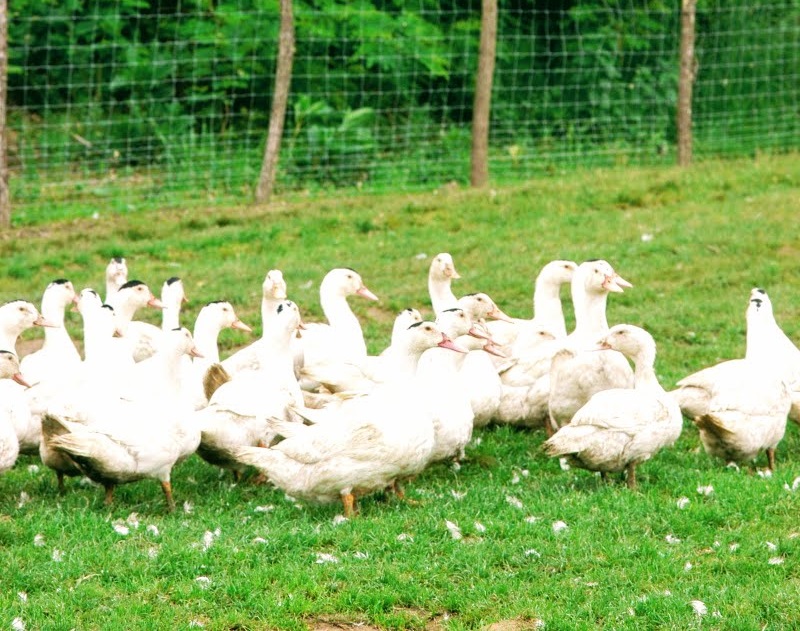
{"points": [[450, 272], [42, 321], [238, 324], [479, 333], [302, 326], [366, 293], [601, 345], [21, 380], [491, 348], [616, 284], [155, 302], [448, 343], [499, 315], [279, 292], [193, 352]]}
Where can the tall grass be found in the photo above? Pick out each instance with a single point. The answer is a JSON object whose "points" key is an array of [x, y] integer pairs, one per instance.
{"points": [[243, 556]]}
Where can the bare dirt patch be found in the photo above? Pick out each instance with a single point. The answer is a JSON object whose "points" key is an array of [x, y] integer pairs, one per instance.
{"points": [[516, 624]]}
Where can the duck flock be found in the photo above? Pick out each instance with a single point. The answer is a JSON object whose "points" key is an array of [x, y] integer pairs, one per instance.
{"points": [[319, 418]]}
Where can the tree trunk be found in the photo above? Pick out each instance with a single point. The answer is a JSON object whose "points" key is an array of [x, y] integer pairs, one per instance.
{"points": [[283, 79], [5, 199], [685, 82], [479, 175]]}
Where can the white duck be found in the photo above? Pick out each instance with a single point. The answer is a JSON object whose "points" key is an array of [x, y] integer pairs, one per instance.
{"points": [[548, 313], [145, 337], [58, 354], [617, 429], [237, 411], [740, 405], [575, 373], [525, 382], [116, 276], [273, 292], [9, 445], [99, 375], [479, 306], [211, 320], [404, 319], [479, 378], [439, 375], [131, 297], [341, 338], [15, 317], [770, 339], [161, 374], [95, 384], [362, 375], [128, 442], [442, 271], [363, 446]]}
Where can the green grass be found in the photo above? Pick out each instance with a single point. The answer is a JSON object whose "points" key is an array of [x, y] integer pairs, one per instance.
{"points": [[717, 230]]}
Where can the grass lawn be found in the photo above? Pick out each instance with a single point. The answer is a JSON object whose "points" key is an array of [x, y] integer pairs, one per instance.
{"points": [[539, 545]]}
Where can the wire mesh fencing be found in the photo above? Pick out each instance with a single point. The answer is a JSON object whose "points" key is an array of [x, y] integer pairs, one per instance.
{"points": [[114, 106]]}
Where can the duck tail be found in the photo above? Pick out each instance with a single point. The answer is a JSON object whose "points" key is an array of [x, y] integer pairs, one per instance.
{"points": [[52, 427], [213, 378], [713, 425]]}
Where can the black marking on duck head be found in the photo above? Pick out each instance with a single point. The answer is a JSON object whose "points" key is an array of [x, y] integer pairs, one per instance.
{"points": [[172, 279], [758, 302], [416, 324], [59, 281], [131, 283]]}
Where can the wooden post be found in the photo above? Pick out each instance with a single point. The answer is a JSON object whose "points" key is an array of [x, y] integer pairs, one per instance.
{"points": [[5, 199], [283, 79], [686, 81], [479, 175]]}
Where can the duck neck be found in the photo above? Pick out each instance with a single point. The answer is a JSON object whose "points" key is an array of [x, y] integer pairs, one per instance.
{"points": [[170, 317], [169, 365], [405, 362], [8, 339], [644, 373], [276, 360], [342, 319], [590, 314], [97, 338], [53, 311], [269, 309], [206, 338], [547, 307], [123, 309], [761, 336], [442, 296]]}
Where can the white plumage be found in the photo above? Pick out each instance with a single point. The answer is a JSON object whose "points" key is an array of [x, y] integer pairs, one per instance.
{"points": [[619, 428]]}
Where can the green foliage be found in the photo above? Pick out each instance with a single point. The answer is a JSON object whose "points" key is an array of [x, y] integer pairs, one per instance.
{"points": [[382, 90]]}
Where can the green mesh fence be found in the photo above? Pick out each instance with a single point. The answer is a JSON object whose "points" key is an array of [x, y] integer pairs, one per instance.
{"points": [[115, 106]]}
